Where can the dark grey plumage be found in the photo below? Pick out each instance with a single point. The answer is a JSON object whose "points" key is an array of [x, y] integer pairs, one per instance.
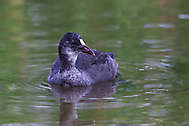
{"points": [[76, 66], [100, 67]]}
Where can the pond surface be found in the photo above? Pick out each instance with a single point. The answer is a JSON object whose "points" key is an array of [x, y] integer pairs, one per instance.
{"points": [[150, 40]]}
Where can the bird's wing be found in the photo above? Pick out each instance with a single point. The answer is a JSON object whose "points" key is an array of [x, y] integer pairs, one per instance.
{"points": [[100, 67], [85, 61]]}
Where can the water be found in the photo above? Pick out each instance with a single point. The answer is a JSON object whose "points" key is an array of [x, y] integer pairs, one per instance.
{"points": [[150, 42]]}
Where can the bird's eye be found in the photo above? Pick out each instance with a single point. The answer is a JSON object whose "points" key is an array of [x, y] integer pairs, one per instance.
{"points": [[75, 44]]}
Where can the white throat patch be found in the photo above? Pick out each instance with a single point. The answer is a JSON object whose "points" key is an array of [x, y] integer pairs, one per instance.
{"points": [[72, 56]]}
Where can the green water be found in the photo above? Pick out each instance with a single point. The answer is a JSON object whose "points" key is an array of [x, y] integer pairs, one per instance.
{"points": [[151, 45]]}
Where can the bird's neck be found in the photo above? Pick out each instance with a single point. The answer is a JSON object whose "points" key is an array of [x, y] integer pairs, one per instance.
{"points": [[68, 58]]}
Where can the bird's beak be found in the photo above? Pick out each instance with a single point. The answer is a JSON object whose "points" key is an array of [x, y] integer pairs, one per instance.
{"points": [[86, 49]]}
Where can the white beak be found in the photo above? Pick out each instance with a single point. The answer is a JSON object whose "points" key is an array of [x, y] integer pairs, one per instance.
{"points": [[82, 42]]}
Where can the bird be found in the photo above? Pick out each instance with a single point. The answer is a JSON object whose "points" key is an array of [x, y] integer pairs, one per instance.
{"points": [[78, 65]]}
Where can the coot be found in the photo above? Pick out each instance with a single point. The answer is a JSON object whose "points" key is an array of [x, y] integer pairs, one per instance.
{"points": [[78, 65]]}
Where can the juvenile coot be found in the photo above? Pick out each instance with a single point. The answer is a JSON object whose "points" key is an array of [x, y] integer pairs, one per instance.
{"points": [[78, 65]]}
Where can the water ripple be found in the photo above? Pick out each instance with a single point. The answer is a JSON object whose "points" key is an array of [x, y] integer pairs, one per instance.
{"points": [[163, 25], [25, 124], [131, 96], [84, 106], [152, 41], [183, 16]]}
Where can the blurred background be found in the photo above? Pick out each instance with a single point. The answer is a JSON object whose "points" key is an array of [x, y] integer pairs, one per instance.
{"points": [[151, 45]]}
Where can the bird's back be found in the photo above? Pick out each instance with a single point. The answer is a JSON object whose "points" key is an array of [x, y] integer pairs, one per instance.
{"points": [[101, 67]]}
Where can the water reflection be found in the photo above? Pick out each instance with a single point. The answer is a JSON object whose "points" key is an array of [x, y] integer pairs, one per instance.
{"points": [[70, 97]]}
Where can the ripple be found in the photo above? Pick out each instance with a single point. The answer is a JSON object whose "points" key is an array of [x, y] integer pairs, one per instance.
{"points": [[42, 106], [166, 50], [38, 44], [36, 18], [163, 25], [183, 16], [25, 124], [144, 105], [165, 60], [156, 62], [152, 41], [144, 68], [166, 65], [112, 28], [15, 101], [84, 106], [156, 91], [39, 55], [131, 96], [161, 112], [39, 33], [153, 85], [30, 66], [159, 50]]}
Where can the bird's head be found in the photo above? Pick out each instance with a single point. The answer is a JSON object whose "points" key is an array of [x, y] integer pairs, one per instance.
{"points": [[73, 43]]}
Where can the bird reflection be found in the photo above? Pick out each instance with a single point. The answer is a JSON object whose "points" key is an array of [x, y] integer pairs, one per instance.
{"points": [[68, 97]]}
